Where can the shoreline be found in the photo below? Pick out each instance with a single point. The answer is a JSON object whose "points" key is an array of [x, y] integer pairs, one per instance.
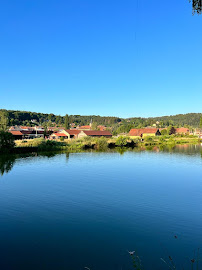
{"points": [[100, 144]]}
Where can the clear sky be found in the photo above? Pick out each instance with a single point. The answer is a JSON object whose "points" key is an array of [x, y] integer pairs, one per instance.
{"points": [[104, 57]]}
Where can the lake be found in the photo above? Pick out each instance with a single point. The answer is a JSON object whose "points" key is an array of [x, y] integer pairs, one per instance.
{"points": [[76, 210]]}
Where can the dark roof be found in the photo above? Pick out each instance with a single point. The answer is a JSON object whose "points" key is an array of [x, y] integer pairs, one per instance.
{"points": [[97, 133]]}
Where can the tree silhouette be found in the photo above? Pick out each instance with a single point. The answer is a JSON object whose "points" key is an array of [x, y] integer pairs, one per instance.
{"points": [[196, 6]]}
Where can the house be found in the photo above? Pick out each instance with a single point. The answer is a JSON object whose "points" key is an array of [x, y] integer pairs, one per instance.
{"points": [[95, 133], [72, 133], [101, 128], [66, 134], [181, 130], [141, 132], [17, 134], [58, 136], [87, 127]]}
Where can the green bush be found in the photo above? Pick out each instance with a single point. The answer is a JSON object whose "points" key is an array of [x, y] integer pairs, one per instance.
{"points": [[51, 145], [6, 141], [164, 132], [148, 139], [101, 143], [122, 141]]}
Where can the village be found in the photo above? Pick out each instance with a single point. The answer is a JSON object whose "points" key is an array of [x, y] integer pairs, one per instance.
{"points": [[61, 133]]}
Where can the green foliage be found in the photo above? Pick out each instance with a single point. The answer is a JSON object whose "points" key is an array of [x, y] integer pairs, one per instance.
{"points": [[119, 125], [46, 145], [6, 141], [125, 128], [3, 120], [201, 122], [67, 121], [164, 132], [62, 139], [171, 130], [94, 126], [148, 139], [101, 143], [196, 6], [162, 139], [122, 141]]}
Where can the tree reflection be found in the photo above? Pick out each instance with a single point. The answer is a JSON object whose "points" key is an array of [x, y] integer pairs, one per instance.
{"points": [[6, 163]]}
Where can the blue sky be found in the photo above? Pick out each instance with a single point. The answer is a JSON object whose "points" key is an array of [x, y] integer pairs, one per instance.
{"points": [[104, 57]]}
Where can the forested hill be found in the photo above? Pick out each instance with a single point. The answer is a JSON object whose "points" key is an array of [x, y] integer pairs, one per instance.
{"points": [[190, 119], [33, 118]]}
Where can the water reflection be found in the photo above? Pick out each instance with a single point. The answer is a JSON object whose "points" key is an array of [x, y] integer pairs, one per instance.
{"points": [[7, 161]]}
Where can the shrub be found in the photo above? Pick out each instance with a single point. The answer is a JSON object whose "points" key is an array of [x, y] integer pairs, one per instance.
{"points": [[122, 141], [164, 132], [101, 143], [148, 139], [51, 145], [6, 141]]}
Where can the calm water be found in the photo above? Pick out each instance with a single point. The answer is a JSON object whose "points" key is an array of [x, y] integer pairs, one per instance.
{"points": [[68, 211]]}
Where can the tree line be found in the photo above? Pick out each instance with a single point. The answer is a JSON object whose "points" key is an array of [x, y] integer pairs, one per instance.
{"points": [[33, 118]]}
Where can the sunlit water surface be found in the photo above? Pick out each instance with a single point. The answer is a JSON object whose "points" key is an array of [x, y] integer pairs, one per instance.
{"points": [[71, 211]]}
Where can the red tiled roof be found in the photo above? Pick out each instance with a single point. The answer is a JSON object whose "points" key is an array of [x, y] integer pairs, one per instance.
{"points": [[139, 131], [59, 134], [97, 133], [181, 130], [16, 132], [85, 127], [102, 128], [73, 131]]}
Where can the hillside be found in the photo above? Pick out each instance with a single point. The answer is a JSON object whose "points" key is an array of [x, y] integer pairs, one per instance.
{"points": [[33, 118]]}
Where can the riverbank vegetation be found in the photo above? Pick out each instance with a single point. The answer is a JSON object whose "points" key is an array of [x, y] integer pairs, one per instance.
{"points": [[40, 144]]}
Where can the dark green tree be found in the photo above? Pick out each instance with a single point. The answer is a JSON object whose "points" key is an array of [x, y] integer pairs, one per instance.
{"points": [[196, 6], [6, 141], [4, 120], [172, 130], [66, 121], [201, 122]]}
